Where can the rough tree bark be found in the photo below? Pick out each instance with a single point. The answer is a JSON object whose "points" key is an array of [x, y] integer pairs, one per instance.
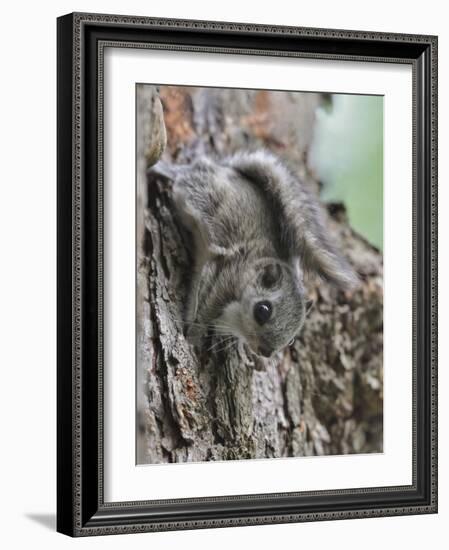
{"points": [[321, 396]]}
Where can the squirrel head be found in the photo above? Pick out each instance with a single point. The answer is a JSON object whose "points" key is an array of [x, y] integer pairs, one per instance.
{"points": [[271, 308]]}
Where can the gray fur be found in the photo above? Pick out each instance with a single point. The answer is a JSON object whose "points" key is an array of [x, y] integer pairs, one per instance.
{"points": [[254, 230]]}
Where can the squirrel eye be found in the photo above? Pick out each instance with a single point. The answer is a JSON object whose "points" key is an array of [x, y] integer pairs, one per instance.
{"points": [[292, 341], [262, 312]]}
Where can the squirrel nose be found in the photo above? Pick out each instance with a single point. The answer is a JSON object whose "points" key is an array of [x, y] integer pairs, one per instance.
{"points": [[265, 351]]}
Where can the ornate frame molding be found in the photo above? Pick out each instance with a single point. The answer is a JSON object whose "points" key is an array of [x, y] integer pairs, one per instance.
{"points": [[81, 509]]}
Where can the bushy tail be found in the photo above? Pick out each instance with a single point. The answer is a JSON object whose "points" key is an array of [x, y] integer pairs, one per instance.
{"points": [[302, 227]]}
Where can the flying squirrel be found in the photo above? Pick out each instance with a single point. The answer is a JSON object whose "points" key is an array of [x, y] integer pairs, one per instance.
{"points": [[255, 229]]}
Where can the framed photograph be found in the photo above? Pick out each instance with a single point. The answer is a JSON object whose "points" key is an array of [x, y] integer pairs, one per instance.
{"points": [[247, 278]]}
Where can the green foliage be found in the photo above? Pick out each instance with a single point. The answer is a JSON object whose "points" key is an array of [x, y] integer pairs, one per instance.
{"points": [[347, 155]]}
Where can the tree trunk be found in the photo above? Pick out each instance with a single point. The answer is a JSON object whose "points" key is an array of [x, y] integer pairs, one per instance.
{"points": [[321, 396]]}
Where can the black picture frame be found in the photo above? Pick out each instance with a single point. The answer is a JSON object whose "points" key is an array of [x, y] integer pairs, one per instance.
{"points": [[81, 509]]}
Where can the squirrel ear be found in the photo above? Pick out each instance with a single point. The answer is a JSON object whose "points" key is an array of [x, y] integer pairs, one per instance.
{"points": [[270, 275]]}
